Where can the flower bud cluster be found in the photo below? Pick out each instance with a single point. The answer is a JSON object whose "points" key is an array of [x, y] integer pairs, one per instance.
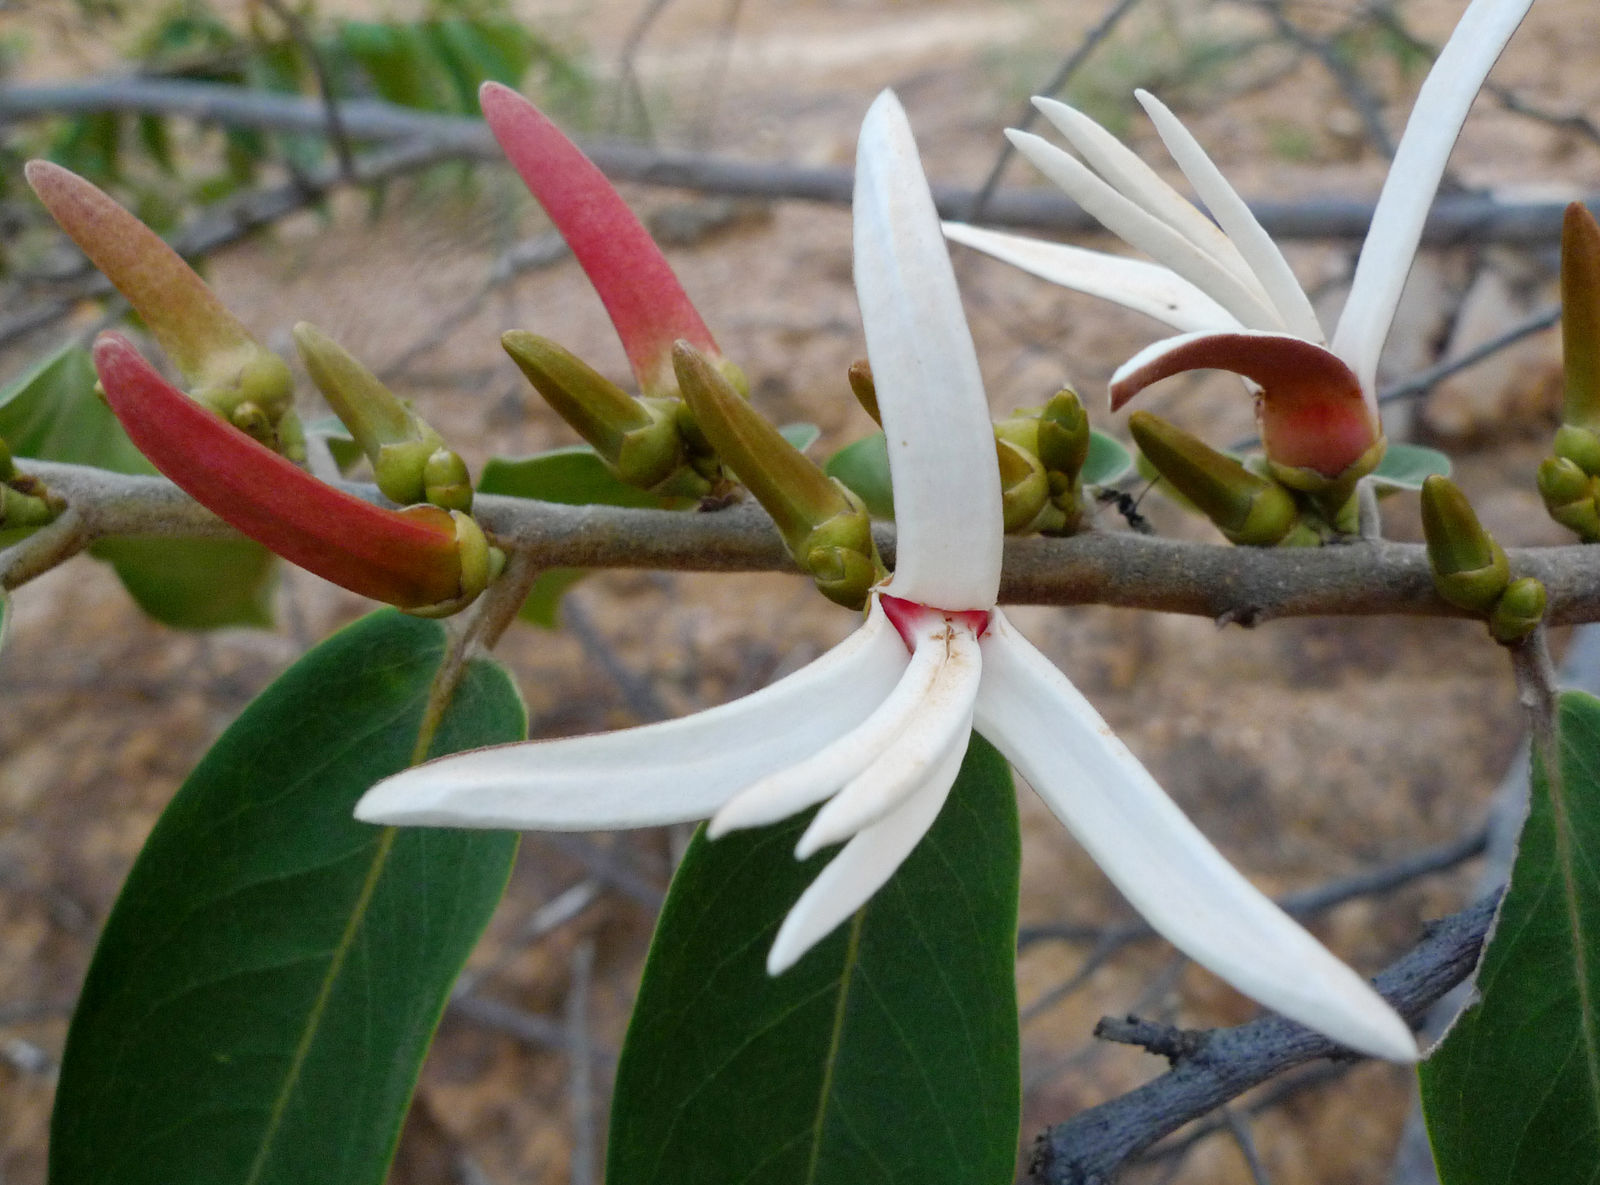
{"points": [[1569, 479], [24, 500], [1042, 451], [1470, 568]]}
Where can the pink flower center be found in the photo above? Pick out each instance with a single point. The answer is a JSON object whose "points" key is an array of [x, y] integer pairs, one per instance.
{"points": [[911, 619]]}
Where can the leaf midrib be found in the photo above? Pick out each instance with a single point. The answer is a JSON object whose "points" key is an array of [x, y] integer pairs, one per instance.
{"points": [[835, 1039]]}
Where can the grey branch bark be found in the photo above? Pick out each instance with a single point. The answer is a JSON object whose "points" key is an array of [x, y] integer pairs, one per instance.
{"points": [[1214, 1067], [1237, 585], [1455, 218]]}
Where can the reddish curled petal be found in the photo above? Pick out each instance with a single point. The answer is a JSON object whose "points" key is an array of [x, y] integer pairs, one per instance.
{"points": [[198, 333], [408, 559], [646, 303], [1311, 408]]}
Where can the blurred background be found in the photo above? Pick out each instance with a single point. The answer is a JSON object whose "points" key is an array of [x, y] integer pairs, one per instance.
{"points": [[1314, 752]]}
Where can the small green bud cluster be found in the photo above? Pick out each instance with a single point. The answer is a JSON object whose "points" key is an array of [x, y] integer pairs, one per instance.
{"points": [[1042, 451], [1250, 509], [481, 562], [256, 395], [1569, 479], [410, 461], [24, 500], [1470, 568]]}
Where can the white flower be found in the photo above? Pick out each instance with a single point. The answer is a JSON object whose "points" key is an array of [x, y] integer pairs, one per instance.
{"points": [[1226, 286], [878, 726]]}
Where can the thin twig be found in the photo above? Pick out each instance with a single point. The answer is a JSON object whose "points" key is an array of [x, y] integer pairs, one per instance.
{"points": [[580, 1075], [330, 101], [1239, 1128]]}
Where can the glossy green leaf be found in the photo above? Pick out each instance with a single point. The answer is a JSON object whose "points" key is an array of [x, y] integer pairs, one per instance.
{"points": [[888, 1053], [1513, 1093], [53, 413], [543, 604], [1407, 466], [863, 466], [801, 435], [272, 973], [1108, 460]]}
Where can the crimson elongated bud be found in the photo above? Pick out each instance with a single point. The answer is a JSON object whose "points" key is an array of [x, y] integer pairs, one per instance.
{"points": [[423, 559]]}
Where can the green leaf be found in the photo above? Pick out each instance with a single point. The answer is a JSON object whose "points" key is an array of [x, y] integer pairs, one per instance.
{"points": [[195, 584], [53, 413], [1107, 460], [543, 605], [801, 435], [346, 452], [1407, 466], [888, 1053], [1513, 1093], [272, 972], [863, 466]]}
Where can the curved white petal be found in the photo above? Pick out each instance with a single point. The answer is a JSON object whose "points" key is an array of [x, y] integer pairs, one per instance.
{"points": [[1442, 105], [935, 415], [1166, 869], [942, 723], [1146, 288], [781, 794], [1260, 253], [662, 773], [860, 870], [1141, 229], [1137, 181]]}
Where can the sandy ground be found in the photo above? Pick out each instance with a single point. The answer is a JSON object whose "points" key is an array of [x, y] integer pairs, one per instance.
{"points": [[1307, 749]]}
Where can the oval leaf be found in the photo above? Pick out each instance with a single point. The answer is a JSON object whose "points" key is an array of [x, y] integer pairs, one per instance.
{"points": [[1407, 466], [1513, 1092], [864, 468], [271, 975], [1108, 460], [888, 1053]]}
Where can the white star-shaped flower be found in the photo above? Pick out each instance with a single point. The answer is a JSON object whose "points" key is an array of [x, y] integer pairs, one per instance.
{"points": [[876, 728], [1226, 285]]}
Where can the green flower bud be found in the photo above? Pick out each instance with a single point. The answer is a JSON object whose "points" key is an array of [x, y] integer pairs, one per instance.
{"points": [[1064, 434], [1519, 610], [1247, 508], [1580, 446], [24, 509], [7, 469], [1570, 496], [815, 514], [446, 481], [253, 422], [1469, 567], [1024, 488], [864, 389]]}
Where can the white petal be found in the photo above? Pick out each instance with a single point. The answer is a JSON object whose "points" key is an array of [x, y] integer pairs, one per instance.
{"points": [[1260, 253], [1167, 870], [935, 415], [779, 795], [661, 773], [1402, 208], [1141, 184], [1143, 287], [860, 870], [1141, 229], [942, 724]]}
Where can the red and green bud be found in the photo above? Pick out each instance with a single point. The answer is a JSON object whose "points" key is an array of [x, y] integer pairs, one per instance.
{"points": [[224, 366], [646, 303], [1580, 320], [400, 445], [423, 559], [1249, 509], [824, 525], [1469, 566]]}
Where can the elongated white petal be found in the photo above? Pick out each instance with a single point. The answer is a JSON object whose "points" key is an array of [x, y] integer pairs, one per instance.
{"points": [[779, 795], [1141, 229], [1146, 288], [1138, 182], [942, 723], [941, 442], [1402, 208], [662, 773], [860, 870], [1260, 253], [1167, 870]]}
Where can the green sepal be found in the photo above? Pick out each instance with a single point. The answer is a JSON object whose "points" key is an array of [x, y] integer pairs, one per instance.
{"points": [[1330, 494], [1024, 488], [1519, 610], [1469, 566], [1571, 496], [1249, 509]]}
